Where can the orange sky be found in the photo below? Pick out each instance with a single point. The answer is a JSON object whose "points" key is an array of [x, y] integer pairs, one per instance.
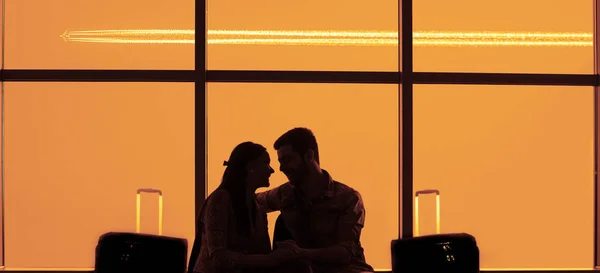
{"points": [[514, 164]]}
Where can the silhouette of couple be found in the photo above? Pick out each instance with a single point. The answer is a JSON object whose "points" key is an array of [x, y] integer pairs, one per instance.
{"points": [[323, 217]]}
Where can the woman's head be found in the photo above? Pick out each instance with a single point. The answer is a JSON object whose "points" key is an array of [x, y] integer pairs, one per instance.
{"points": [[248, 168]]}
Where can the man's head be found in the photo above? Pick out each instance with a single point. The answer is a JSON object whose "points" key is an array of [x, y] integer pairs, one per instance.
{"points": [[298, 153]]}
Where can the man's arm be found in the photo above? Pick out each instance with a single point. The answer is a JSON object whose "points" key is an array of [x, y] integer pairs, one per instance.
{"points": [[348, 232], [270, 200]]}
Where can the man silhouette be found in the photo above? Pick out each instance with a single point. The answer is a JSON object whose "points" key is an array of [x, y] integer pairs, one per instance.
{"points": [[324, 216]]}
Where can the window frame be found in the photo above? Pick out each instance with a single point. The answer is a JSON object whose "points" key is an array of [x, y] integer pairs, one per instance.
{"points": [[406, 78]]}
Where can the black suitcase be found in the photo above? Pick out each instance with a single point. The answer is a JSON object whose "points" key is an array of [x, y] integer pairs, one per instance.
{"points": [[120, 252], [438, 253], [123, 252]]}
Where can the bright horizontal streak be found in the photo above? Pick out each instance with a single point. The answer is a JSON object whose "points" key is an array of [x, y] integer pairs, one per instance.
{"points": [[334, 34], [505, 35], [131, 32], [389, 42], [128, 41], [500, 43], [331, 38], [387, 34], [332, 42], [306, 33]]}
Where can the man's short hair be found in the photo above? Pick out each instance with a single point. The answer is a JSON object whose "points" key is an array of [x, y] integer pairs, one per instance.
{"points": [[301, 140]]}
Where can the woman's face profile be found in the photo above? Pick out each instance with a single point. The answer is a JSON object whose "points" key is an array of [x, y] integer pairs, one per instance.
{"points": [[259, 171]]}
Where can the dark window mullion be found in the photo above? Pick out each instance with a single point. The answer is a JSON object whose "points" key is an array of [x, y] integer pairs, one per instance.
{"points": [[72, 75], [199, 77], [259, 76], [405, 112], [596, 126]]}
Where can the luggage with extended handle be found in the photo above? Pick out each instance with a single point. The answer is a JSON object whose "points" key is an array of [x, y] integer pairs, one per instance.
{"points": [[126, 252], [440, 253]]}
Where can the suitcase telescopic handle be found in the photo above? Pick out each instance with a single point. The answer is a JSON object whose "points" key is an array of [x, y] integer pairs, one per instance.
{"points": [[437, 209], [138, 205], [149, 191], [437, 192]]}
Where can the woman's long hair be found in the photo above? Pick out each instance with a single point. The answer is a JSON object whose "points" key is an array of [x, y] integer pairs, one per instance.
{"points": [[234, 181]]}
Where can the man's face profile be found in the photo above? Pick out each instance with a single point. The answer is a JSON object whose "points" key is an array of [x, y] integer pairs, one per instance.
{"points": [[291, 164]]}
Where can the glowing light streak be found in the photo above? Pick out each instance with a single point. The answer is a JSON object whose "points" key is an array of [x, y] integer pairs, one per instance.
{"points": [[328, 42], [333, 38]]}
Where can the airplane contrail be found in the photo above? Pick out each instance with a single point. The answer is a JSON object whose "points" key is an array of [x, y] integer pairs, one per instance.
{"points": [[332, 38]]}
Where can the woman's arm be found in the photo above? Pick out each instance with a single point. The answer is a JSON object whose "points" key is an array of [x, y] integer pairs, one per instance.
{"points": [[216, 221]]}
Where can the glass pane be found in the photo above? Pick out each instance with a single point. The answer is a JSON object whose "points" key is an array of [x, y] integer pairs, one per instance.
{"points": [[77, 153], [534, 36], [108, 34], [262, 112], [303, 35], [514, 166]]}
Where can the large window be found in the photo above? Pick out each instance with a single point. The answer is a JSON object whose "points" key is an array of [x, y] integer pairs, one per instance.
{"points": [[101, 98], [76, 155], [107, 34], [349, 35], [514, 166], [511, 36], [343, 118]]}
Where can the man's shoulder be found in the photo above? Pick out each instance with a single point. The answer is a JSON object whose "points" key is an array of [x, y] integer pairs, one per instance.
{"points": [[345, 192], [287, 186], [344, 189]]}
